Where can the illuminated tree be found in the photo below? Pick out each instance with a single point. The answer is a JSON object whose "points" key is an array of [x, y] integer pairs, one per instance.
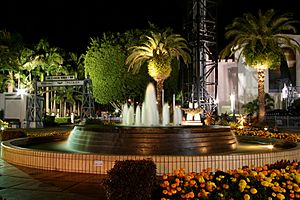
{"points": [[259, 40], [158, 50]]}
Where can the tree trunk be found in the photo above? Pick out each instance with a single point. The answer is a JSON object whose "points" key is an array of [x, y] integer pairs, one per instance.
{"points": [[159, 88], [261, 96], [10, 85]]}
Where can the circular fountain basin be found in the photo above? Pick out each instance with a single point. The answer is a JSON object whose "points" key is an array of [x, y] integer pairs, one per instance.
{"points": [[31, 152], [183, 140]]}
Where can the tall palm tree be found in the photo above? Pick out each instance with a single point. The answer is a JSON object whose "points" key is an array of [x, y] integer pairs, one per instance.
{"points": [[11, 46], [259, 40], [158, 50]]}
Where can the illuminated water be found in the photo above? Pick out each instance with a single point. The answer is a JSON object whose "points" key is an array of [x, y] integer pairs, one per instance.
{"points": [[242, 147], [148, 115]]}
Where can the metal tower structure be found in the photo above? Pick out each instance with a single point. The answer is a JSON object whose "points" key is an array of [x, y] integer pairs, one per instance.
{"points": [[201, 79], [88, 105]]}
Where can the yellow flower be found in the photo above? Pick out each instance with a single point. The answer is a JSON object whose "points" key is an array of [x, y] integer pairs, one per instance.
{"points": [[265, 183], [242, 185], [201, 179], [280, 196], [297, 177], [246, 197], [253, 191]]}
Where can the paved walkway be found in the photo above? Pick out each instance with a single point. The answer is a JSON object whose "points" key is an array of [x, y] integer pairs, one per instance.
{"points": [[19, 183]]}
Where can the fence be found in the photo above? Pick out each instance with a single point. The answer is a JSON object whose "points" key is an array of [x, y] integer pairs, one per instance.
{"points": [[284, 121]]}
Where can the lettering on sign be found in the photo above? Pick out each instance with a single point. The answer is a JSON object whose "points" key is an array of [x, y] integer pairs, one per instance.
{"points": [[57, 78], [98, 163], [59, 83]]}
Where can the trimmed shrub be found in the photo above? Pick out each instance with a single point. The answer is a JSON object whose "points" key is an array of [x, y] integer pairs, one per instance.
{"points": [[49, 121], [62, 120], [9, 134], [131, 179]]}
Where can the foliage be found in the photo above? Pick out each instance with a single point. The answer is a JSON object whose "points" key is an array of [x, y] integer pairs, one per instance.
{"points": [[11, 45], [267, 134], [131, 179], [62, 120], [224, 119], [49, 121], [9, 134], [48, 132], [252, 106], [279, 180], [3, 124], [259, 39], [158, 50], [105, 63]]}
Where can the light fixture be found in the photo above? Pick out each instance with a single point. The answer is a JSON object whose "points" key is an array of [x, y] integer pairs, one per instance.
{"points": [[21, 91]]}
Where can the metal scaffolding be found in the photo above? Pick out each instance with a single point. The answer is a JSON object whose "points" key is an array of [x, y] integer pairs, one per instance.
{"points": [[201, 79], [35, 103]]}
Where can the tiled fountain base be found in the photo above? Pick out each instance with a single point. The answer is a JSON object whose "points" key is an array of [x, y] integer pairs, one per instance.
{"points": [[100, 164]]}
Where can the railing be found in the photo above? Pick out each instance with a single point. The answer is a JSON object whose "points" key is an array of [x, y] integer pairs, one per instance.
{"points": [[284, 121]]}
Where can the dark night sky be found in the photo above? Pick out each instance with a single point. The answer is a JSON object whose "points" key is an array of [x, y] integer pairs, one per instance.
{"points": [[70, 24]]}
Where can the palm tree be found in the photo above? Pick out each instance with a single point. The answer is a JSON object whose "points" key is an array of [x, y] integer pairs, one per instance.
{"points": [[158, 50], [259, 40], [11, 46]]}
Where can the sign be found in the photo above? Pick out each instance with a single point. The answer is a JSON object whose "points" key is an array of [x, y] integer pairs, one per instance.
{"points": [[58, 78], [98, 163], [59, 83]]}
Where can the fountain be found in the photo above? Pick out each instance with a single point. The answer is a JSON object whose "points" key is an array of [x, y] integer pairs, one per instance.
{"points": [[95, 148], [141, 133]]}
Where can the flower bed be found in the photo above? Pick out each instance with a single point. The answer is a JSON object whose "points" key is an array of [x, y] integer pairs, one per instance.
{"points": [[267, 134], [276, 181]]}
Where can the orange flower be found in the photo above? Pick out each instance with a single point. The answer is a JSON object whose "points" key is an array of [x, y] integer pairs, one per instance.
{"points": [[192, 182], [191, 194], [166, 183], [225, 186], [165, 191], [202, 185], [165, 177]]}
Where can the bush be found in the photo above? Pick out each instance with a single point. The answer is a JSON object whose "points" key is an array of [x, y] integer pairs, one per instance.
{"points": [[131, 179], [63, 120], [49, 121], [9, 134]]}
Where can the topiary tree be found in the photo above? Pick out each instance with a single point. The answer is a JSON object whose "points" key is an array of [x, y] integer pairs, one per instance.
{"points": [[112, 83]]}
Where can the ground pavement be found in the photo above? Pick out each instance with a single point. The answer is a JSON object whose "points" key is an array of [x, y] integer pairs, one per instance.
{"points": [[19, 183]]}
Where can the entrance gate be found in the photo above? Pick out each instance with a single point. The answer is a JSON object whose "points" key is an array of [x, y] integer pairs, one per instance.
{"points": [[35, 107]]}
